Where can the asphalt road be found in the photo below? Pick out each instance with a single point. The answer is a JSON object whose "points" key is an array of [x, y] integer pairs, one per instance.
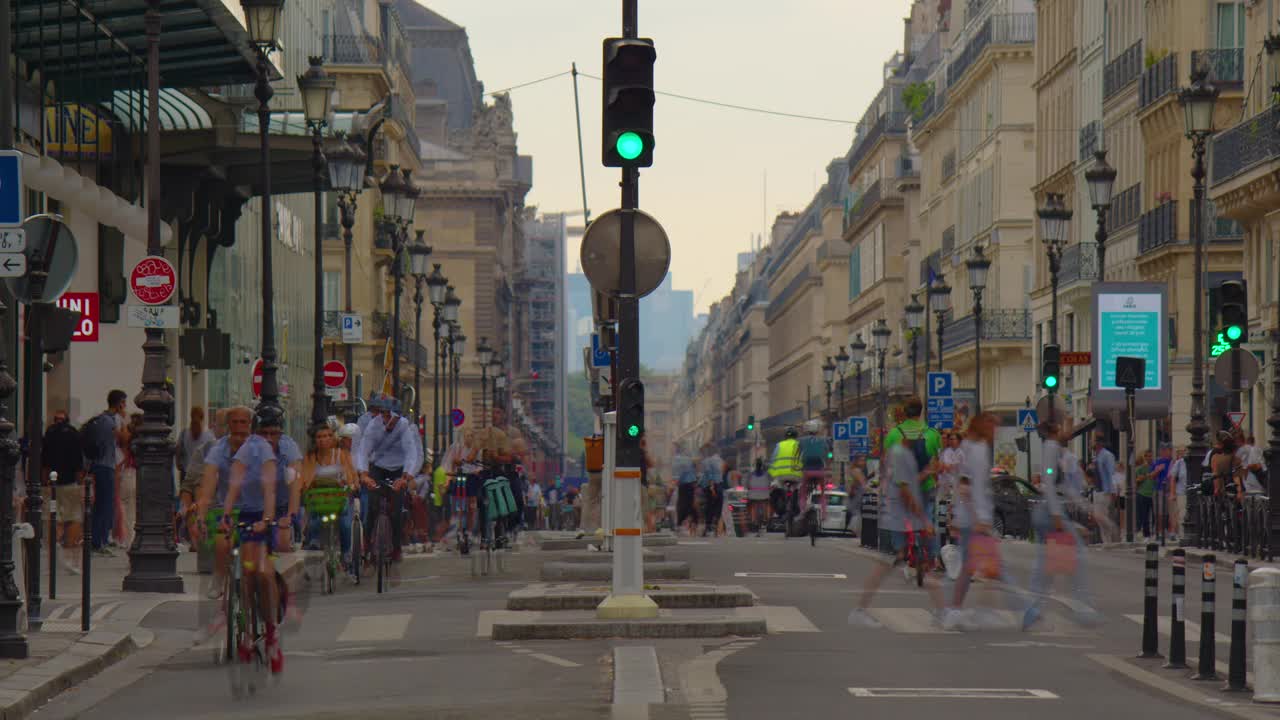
{"points": [[414, 652]]}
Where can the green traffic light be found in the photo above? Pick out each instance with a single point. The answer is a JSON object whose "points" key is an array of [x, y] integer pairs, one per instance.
{"points": [[1050, 381], [629, 146], [751, 427], [1234, 332], [633, 430]]}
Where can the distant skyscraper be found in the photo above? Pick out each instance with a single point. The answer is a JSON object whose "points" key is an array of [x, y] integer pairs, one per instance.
{"points": [[666, 324], [578, 324]]}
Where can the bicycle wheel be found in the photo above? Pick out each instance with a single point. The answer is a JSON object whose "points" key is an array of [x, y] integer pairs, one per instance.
{"points": [[331, 559], [381, 548], [921, 561], [357, 546], [813, 527], [226, 650]]}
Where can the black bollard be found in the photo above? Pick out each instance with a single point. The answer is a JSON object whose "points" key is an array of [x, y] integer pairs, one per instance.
{"points": [[86, 543], [1150, 634], [1207, 649], [53, 535], [1177, 623], [1236, 670]]}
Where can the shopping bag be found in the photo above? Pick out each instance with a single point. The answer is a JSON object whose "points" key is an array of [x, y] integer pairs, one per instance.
{"points": [[1060, 553], [984, 551], [952, 560]]}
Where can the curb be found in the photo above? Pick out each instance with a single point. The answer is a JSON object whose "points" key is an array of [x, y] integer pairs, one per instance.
{"points": [[29, 688], [668, 600], [630, 629], [603, 571]]}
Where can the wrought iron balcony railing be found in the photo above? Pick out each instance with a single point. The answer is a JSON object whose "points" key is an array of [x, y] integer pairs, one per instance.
{"points": [[1122, 70], [1158, 80], [352, 49], [1240, 148], [1089, 139], [997, 325], [1079, 263], [863, 204], [1225, 65], [1158, 227], [1126, 207]]}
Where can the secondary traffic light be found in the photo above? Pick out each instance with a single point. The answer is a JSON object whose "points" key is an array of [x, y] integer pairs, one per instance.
{"points": [[630, 422], [1050, 368], [628, 102], [751, 423], [1235, 315]]}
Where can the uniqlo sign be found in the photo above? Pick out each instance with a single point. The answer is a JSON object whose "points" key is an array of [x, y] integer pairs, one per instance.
{"points": [[87, 305]]}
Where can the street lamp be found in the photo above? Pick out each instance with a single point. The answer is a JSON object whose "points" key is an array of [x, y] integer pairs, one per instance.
{"points": [[1197, 104], [484, 355], [940, 302], [346, 177], [419, 256], [435, 293], [880, 338], [500, 387], [1101, 179], [316, 88], [915, 321], [1053, 233], [458, 343], [828, 375], [858, 353], [978, 266], [399, 203]]}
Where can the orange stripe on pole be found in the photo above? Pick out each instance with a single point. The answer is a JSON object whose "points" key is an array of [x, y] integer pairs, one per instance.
{"points": [[629, 474], [626, 531]]}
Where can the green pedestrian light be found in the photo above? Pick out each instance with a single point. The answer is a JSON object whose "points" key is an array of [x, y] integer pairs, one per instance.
{"points": [[629, 146], [633, 430], [1050, 381], [1234, 332]]}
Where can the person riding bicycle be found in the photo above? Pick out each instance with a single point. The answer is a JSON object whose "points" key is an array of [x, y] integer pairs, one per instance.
{"points": [[252, 492], [389, 454], [785, 466], [813, 461], [925, 452], [213, 488]]}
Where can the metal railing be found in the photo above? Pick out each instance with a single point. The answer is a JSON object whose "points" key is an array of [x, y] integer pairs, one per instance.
{"points": [[1158, 227], [996, 325], [1226, 524], [932, 105], [907, 167], [410, 351], [889, 122], [792, 288], [1225, 65], [1017, 29], [352, 50], [1122, 70], [1250, 143], [1079, 262], [1126, 207], [1158, 80], [1089, 139], [863, 204], [401, 116]]}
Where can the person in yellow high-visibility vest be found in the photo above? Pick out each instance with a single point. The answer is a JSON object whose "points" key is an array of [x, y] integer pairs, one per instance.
{"points": [[785, 466]]}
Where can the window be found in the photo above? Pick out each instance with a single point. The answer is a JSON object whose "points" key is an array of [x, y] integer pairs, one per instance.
{"points": [[332, 290], [1230, 25], [855, 272]]}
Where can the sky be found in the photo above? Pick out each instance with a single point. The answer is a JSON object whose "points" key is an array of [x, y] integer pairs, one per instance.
{"points": [[707, 184]]}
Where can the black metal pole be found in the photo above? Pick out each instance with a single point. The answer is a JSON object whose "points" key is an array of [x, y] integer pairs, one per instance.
{"points": [[347, 206], [977, 347], [53, 540], [397, 271], [269, 406], [417, 350], [1131, 514], [1208, 669], [1150, 596], [1100, 237], [457, 382], [153, 558], [33, 382], [1055, 260], [1239, 607], [941, 323], [1177, 614], [86, 562], [484, 396], [1197, 428], [915, 381], [319, 400], [435, 382]]}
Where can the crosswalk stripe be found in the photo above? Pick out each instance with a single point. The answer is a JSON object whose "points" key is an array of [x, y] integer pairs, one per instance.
{"points": [[375, 628], [105, 610]]}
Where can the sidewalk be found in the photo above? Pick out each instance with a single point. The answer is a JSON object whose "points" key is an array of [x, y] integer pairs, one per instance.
{"points": [[62, 656]]}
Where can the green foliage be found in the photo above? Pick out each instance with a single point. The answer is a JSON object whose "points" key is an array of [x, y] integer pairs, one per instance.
{"points": [[1154, 56], [914, 95]]}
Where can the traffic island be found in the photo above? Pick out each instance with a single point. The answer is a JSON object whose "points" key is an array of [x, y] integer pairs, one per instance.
{"points": [[597, 557], [603, 571], [678, 596], [553, 543], [585, 625]]}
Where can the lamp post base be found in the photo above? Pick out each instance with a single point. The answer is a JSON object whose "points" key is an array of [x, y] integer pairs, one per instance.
{"points": [[154, 570], [13, 644]]}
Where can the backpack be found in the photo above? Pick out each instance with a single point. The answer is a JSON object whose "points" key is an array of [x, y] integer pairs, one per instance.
{"points": [[813, 452], [919, 448], [98, 431]]}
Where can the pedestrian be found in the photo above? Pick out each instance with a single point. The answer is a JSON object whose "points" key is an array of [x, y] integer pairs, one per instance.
{"points": [[927, 452], [687, 481], [99, 438], [758, 496], [1145, 483], [193, 443], [127, 486], [1252, 467], [856, 487], [63, 455], [533, 506], [1160, 468], [710, 479], [1177, 494]]}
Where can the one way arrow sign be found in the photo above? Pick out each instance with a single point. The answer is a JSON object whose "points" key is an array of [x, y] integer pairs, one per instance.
{"points": [[13, 265]]}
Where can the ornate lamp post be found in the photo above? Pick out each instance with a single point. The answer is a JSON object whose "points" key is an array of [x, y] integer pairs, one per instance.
{"points": [[828, 375], [398, 203], [978, 266], [880, 337], [1101, 179], [316, 88], [842, 367], [459, 348], [436, 289], [1197, 103], [1054, 217], [451, 304], [346, 177], [915, 321], [939, 302], [858, 353], [500, 388], [484, 355], [419, 255]]}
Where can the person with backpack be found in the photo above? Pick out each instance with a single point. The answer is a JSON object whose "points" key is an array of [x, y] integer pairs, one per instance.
{"points": [[925, 444], [99, 437]]}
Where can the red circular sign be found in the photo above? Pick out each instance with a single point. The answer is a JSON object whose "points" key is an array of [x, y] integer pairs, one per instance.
{"points": [[153, 280], [257, 377], [335, 374]]}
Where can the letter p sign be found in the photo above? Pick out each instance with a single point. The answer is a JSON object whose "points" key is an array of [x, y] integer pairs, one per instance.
{"points": [[940, 384]]}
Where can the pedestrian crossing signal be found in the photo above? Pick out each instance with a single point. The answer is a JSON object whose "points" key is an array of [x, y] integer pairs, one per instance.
{"points": [[1050, 367]]}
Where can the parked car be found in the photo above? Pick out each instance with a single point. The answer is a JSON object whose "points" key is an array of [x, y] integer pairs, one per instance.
{"points": [[837, 506], [1014, 499]]}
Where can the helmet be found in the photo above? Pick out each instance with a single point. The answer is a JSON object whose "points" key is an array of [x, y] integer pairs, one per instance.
{"points": [[350, 430], [813, 427], [791, 432]]}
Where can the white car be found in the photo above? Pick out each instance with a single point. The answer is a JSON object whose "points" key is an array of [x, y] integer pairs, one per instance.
{"points": [[833, 520]]}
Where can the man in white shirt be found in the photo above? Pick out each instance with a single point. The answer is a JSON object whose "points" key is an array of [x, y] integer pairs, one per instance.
{"points": [[1251, 460], [1177, 493]]}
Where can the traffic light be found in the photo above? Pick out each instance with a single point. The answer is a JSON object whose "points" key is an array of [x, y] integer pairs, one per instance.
{"points": [[628, 102], [1050, 368], [1235, 315], [751, 423], [630, 422]]}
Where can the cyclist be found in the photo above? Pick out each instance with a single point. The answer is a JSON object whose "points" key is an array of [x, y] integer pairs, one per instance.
{"points": [[213, 487], [813, 462], [389, 454], [926, 452], [785, 467], [288, 484], [252, 491], [903, 510]]}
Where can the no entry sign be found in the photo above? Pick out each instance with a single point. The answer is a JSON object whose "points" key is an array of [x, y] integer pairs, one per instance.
{"points": [[153, 280], [335, 374], [257, 377]]}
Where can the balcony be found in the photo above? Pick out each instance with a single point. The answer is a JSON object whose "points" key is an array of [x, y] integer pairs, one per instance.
{"points": [[1240, 148], [1158, 227], [1126, 206], [1226, 230], [1158, 80], [862, 206], [352, 50], [1079, 264], [890, 122], [410, 352], [1122, 70], [997, 325], [931, 106], [1019, 29], [401, 116], [1089, 140], [1225, 65], [907, 168]]}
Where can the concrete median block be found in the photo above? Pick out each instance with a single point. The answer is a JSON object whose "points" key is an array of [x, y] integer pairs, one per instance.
{"points": [[594, 556], [567, 571], [588, 628], [672, 597]]}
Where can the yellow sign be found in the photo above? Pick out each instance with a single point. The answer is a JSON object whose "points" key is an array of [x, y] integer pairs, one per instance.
{"points": [[73, 129]]}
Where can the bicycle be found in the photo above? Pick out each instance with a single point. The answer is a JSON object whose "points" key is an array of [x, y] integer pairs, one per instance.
{"points": [[917, 556], [383, 544], [357, 538], [498, 504], [245, 671], [460, 512], [325, 505]]}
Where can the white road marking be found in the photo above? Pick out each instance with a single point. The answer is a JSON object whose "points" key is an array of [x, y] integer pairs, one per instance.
{"points": [[522, 651], [1037, 644], [637, 679], [1164, 625], [103, 611], [778, 619], [692, 542], [954, 693], [555, 660], [375, 628], [909, 621], [793, 576], [1174, 688]]}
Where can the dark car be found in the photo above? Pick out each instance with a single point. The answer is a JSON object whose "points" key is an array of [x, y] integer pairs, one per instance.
{"points": [[1014, 498]]}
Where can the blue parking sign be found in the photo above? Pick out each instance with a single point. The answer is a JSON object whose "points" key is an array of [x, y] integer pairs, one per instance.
{"points": [[10, 188], [859, 427], [840, 431], [599, 356], [940, 384]]}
